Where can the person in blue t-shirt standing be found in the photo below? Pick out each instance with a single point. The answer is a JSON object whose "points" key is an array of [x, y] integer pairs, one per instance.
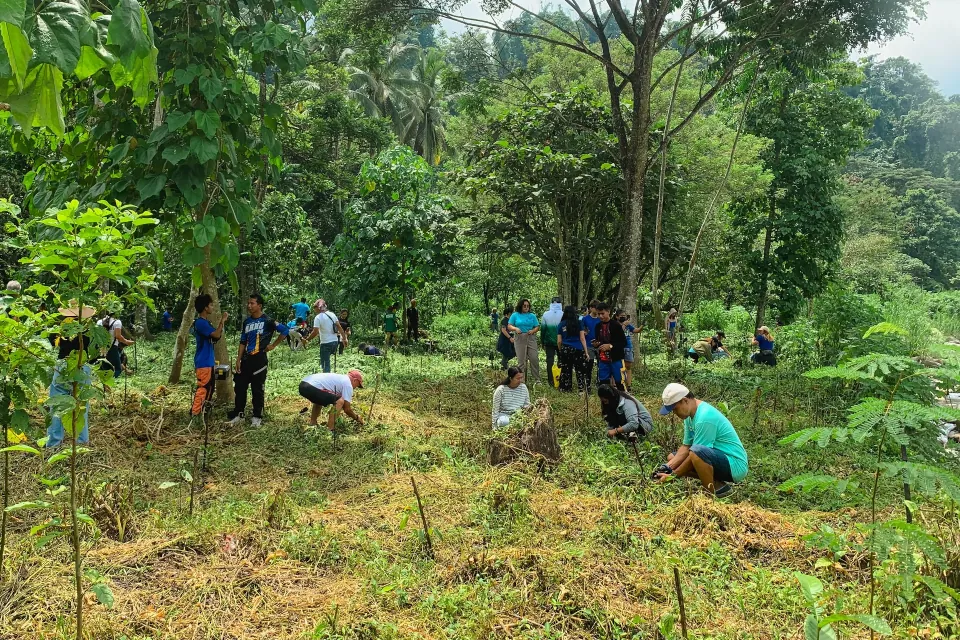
{"points": [[251, 368], [300, 309], [590, 321], [711, 451], [203, 361], [167, 320]]}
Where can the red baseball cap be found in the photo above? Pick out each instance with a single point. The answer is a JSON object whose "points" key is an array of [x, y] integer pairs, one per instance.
{"points": [[354, 374]]}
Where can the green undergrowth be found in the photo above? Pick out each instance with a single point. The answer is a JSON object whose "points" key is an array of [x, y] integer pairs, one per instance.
{"points": [[297, 534]]}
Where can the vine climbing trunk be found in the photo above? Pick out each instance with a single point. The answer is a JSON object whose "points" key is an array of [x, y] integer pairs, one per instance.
{"points": [[764, 279], [658, 225], [707, 215], [183, 337]]}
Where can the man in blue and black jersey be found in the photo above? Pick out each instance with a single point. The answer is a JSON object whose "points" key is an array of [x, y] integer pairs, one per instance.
{"points": [[251, 368]]}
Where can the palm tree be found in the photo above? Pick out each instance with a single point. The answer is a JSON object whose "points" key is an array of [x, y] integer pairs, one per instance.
{"points": [[424, 130], [382, 88]]}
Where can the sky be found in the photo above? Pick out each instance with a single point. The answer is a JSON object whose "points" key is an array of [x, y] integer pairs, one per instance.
{"points": [[933, 43]]}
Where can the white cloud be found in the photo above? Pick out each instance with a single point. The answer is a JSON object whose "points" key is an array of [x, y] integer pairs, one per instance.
{"points": [[933, 44]]}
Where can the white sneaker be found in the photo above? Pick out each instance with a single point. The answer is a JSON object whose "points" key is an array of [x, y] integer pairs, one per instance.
{"points": [[235, 422], [255, 422]]}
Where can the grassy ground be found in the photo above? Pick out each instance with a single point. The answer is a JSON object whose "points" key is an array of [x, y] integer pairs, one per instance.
{"points": [[297, 535]]}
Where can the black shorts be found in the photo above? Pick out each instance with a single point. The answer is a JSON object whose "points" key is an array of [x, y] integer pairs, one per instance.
{"points": [[318, 396]]}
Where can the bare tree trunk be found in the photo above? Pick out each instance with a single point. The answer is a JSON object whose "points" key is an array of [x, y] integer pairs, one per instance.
{"points": [[183, 337], [140, 321], [630, 277]]}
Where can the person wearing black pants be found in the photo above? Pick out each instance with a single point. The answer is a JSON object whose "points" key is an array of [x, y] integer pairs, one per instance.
{"points": [[413, 322], [251, 366]]}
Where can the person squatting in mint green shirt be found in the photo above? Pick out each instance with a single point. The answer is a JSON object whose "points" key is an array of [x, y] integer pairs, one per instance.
{"points": [[711, 451]]}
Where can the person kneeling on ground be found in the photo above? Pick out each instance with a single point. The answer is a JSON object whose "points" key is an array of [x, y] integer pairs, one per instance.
{"points": [[711, 451], [510, 397], [626, 416], [370, 350], [334, 390]]}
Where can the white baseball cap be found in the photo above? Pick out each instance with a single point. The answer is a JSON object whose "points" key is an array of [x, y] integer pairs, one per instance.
{"points": [[672, 394]]}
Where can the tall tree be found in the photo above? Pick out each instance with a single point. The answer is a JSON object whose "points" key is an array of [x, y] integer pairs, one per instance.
{"points": [[791, 237], [730, 33]]}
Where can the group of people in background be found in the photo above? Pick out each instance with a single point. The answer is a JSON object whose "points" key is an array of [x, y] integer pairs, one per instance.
{"points": [[573, 340]]}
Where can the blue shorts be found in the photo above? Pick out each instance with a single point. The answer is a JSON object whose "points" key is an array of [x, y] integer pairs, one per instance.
{"points": [[628, 355], [607, 370], [716, 459]]}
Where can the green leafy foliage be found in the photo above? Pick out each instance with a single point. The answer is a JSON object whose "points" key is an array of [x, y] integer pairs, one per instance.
{"points": [[397, 233], [44, 41]]}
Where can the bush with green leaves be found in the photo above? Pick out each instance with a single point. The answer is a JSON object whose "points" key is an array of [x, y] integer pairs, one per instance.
{"points": [[77, 249], [896, 419]]}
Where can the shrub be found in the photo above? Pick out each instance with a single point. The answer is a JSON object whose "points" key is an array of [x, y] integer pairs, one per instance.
{"points": [[459, 327]]}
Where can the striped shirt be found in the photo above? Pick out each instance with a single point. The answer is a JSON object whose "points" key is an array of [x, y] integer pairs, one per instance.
{"points": [[507, 401]]}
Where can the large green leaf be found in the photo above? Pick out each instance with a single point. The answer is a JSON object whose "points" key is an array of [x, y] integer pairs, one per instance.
{"points": [[175, 154], [190, 184], [38, 105], [151, 186], [13, 11], [210, 88], [90, 62], [207, 121], [15, 53], [204, 149], [54, 32], [130, 32], [176, 120], [138, 74]]}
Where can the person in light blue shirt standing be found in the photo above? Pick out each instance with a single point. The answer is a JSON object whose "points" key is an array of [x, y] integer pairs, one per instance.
{"points": [[300, 310], [525, 325], [711, 451]]}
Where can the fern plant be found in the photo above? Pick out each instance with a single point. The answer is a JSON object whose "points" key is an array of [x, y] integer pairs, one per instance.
{"points": [[895, 414]]}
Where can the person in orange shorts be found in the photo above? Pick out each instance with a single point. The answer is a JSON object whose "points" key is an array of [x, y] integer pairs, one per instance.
{"points": [[203, 362]]}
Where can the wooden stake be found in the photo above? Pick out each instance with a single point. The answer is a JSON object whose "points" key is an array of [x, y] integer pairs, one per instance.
{"points": [[376, 388], [683, 611], [193, 481], [423, 518]]}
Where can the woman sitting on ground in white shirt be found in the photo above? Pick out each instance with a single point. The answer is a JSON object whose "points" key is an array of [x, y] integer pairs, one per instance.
{"points": [[510, 397]]}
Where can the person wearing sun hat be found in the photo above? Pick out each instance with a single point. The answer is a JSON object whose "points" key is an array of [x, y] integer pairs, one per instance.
{"points": [[67, 346], [711, 451], [336, 389]]}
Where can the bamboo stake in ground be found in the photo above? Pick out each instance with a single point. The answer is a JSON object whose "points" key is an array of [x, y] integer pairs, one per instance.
{"points": [[683, 611], [193, 481], [423, 518], [376, 388]]}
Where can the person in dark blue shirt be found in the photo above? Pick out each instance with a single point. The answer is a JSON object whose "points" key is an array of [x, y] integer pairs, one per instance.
{"points": [[203, 361], [251, 367], [167, 320], [300, 309], [764, 340], [590, 322]]}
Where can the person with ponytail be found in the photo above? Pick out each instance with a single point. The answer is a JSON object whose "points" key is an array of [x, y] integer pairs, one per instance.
{"points": [[626, 417], [511, 396]]}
